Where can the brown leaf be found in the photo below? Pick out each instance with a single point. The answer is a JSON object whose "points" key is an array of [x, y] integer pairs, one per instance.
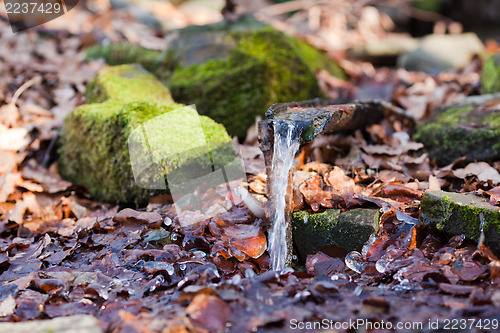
{"points": [[434, 183], [242, 240], [48, 178], [315, 197], [469, 270], [456, 289], [29, 203], [323, 264], [209, 311], [399, 192], [339, 182], [128, 215], [494, 195], [482, 170], [392, 151], [415, 105]]}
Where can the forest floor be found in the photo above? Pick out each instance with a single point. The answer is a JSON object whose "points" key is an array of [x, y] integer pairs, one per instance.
{"points": [[62, 254]]}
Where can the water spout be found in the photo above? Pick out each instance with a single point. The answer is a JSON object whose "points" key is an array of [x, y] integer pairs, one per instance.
{"points": [[288, 126]]}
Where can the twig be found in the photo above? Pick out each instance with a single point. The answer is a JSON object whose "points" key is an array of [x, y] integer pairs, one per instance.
{"points": [[21, 89]]}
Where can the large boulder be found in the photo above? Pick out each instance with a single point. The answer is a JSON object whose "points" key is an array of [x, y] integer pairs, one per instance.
{"points": [[232, 72], [350, 229], [94, 149], [457, 213], [471, 129]]}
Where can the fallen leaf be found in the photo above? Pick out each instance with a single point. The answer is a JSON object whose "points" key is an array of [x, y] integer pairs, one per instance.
{"points": [[482, 170], [434, 183], [28, 203], [13, 138], [209, 311], [7, 306], [340, 182], [494, 195], [128, 215], [50, 180]]}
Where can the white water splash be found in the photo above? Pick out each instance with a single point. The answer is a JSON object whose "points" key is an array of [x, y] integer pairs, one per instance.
{"points": [[481, 230], [286, 144]]}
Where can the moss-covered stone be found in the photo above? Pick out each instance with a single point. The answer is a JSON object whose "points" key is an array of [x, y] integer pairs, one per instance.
{"points": [[233, 72], [94, 150], [156, 62], [490, 81], [264, 67], [350, 229], [468, 130], [456, 214]]}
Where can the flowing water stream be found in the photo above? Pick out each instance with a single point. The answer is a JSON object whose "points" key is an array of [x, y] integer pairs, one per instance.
{"points": [[289, 125], [286, 145]]}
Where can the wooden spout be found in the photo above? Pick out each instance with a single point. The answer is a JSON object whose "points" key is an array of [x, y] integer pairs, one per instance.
{"points": [[313, 117]]}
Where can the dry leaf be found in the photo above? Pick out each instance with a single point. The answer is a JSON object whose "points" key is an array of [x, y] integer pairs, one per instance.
{"points": [[482, 170]]}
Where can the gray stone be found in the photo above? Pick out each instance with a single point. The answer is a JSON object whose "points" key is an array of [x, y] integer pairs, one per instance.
{"points": [[438, 53], [350, 229], [386, 51], [457, 213], [470, 128], [71, 324]]}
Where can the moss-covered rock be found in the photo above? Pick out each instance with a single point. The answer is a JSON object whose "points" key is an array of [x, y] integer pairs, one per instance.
{"points": [[233, 72], [490, 81], [350, 229], [465, 130], [156, 62], [263, 68], [456, 214], [94, 149]]}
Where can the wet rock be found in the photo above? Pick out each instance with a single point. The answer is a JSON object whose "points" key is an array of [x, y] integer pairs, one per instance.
{"points": [[77, 324], [350, 229], [94, 150], [456, 214], [233, 71], [438, 53], [490, 81], [471, 129]]}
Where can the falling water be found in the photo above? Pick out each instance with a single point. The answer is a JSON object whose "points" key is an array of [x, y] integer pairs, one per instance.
{"points": [[481, 230], [286, 144]]}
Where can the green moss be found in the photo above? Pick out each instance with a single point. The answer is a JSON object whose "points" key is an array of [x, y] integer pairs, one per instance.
{"points": [[161, 65], [94, 139], [125, 84], [264, 68], [350, 229], [456, 214], [428, 5], [439, 210], [490, 81], [454, 116], [231, 71], [465, 131], [315, 59]]}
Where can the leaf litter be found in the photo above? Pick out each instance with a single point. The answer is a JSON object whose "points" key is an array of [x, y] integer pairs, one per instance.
{"points": [[62, 254]]}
